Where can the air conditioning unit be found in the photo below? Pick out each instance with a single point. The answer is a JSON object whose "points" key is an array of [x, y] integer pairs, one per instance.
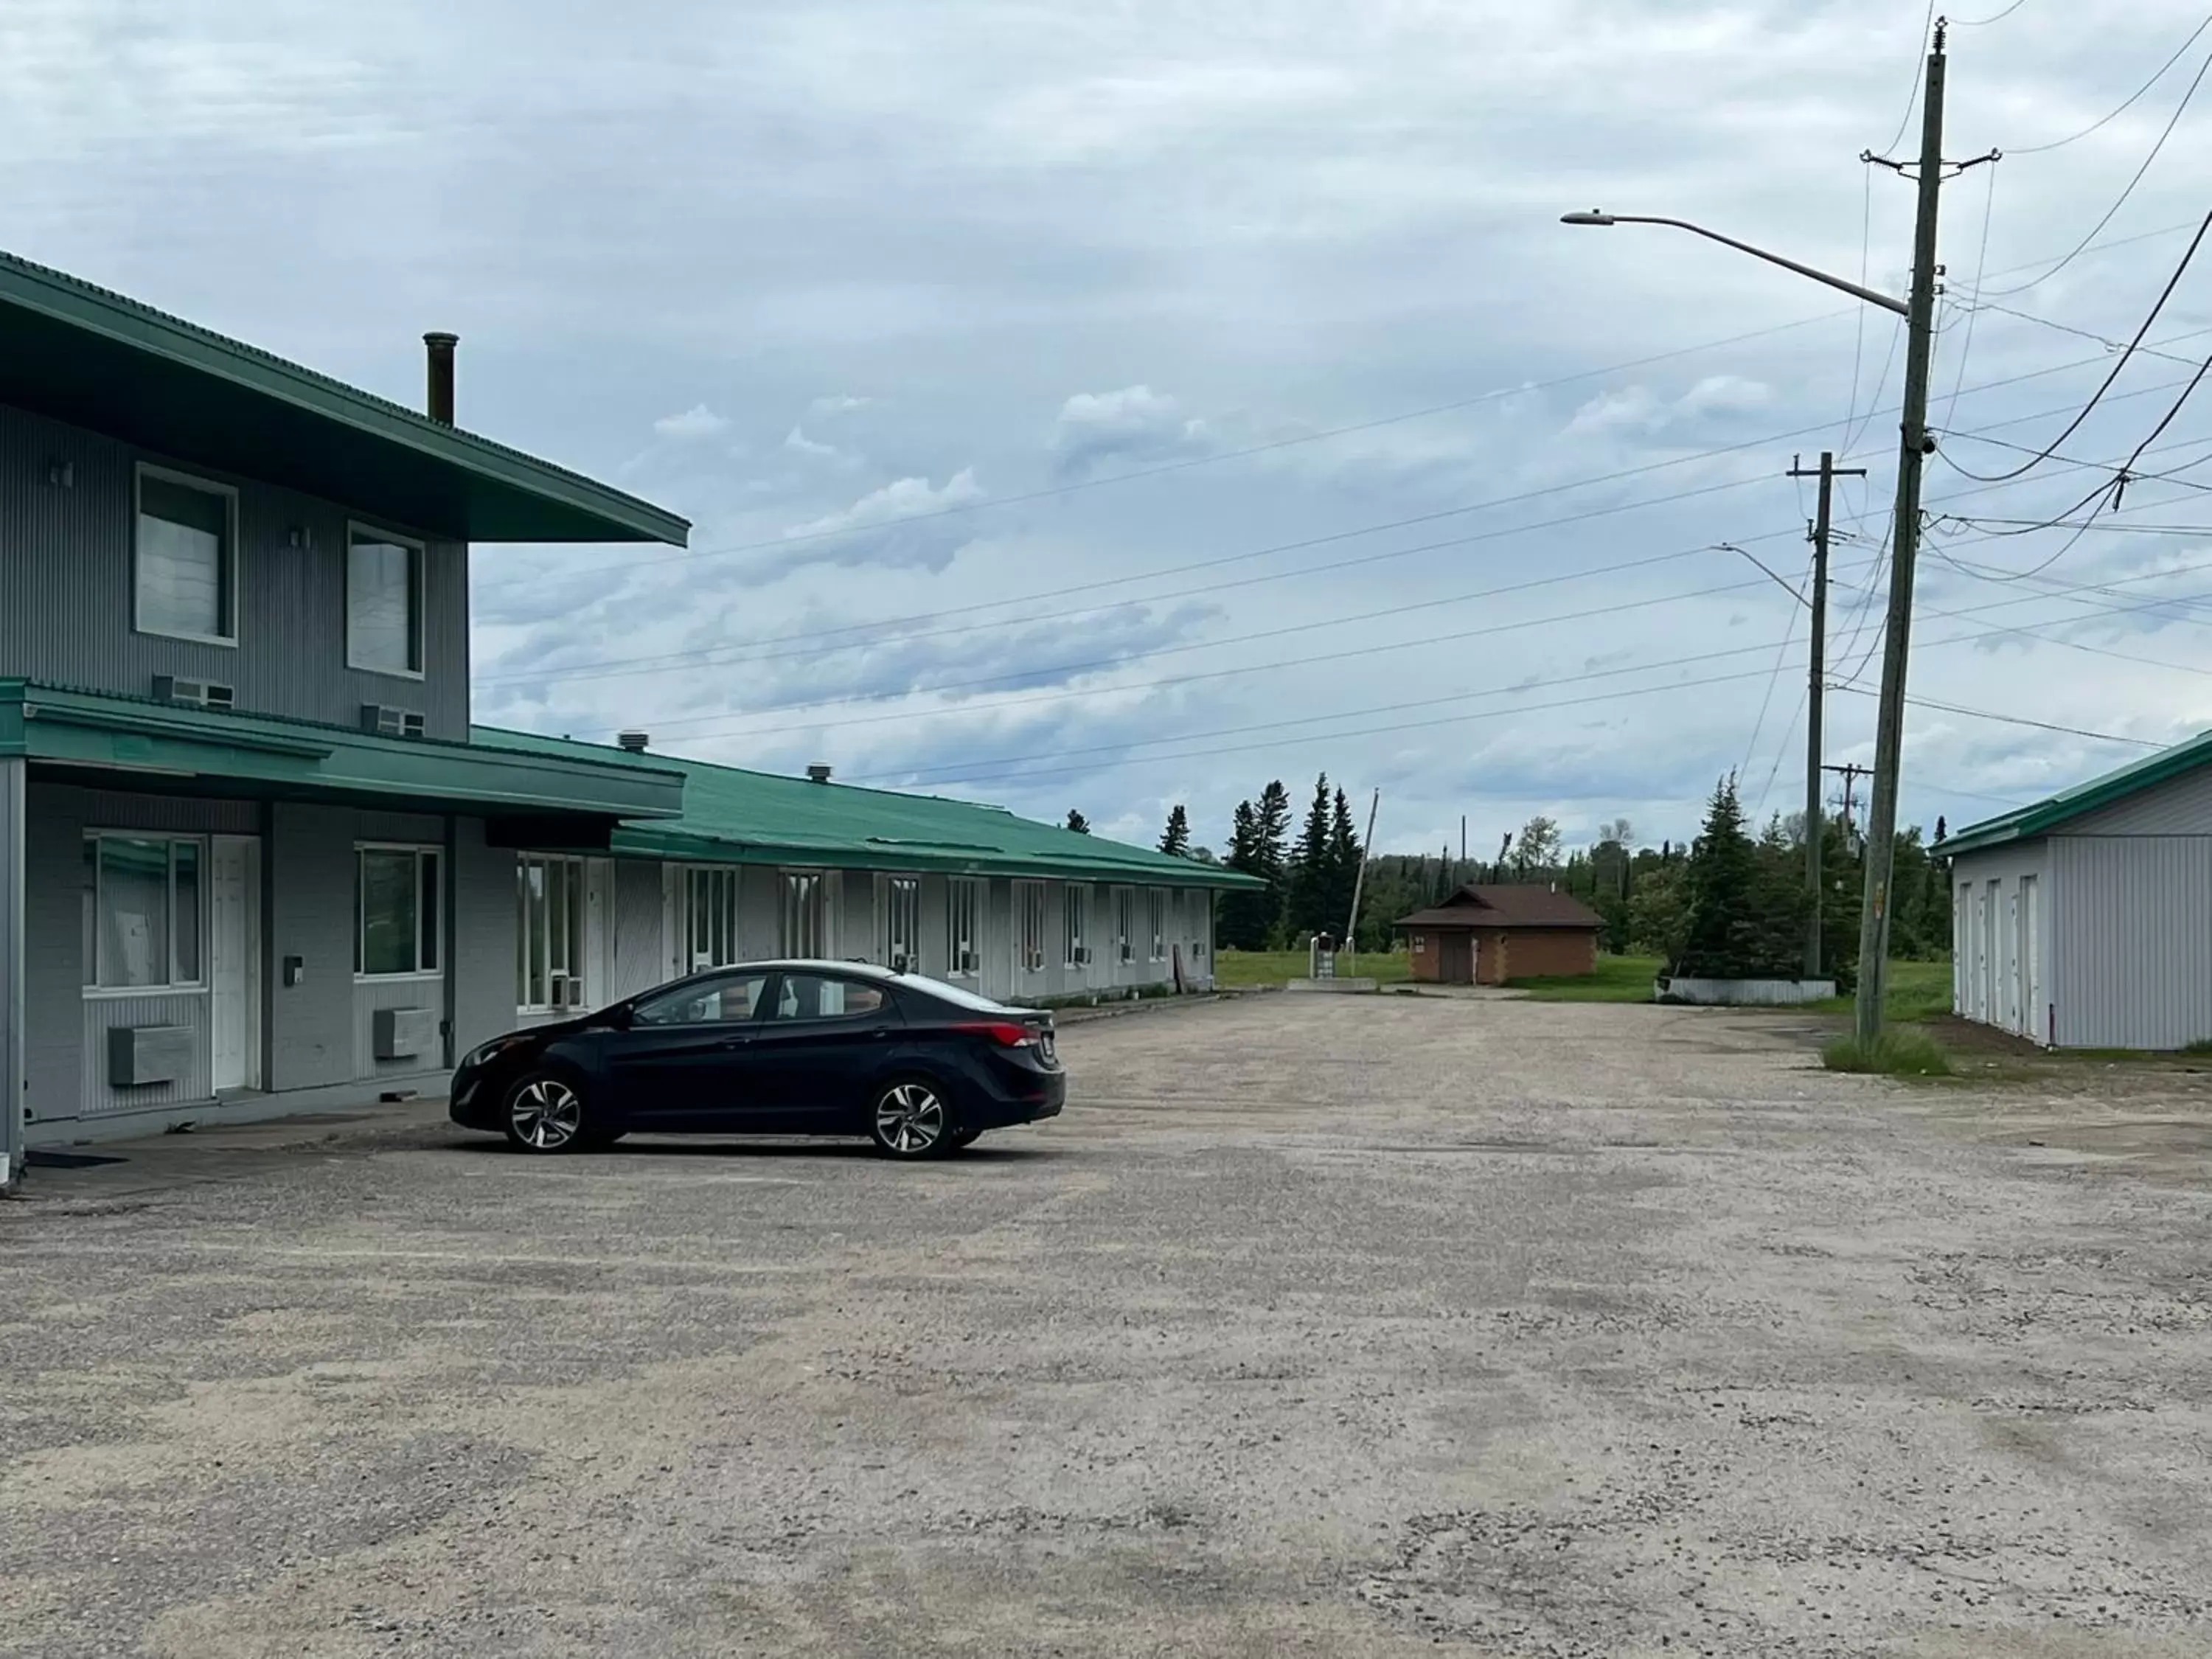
{"points": [[403, 1033], [965, 962], [1082, 954], [387, 721], [193, 694], [567, 992]]}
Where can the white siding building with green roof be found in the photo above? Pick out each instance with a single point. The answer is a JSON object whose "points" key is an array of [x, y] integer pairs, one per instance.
{"points": [[760, 865], [2085, 920]]}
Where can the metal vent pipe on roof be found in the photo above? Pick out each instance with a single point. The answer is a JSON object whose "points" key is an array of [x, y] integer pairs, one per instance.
{"points": [[819, 772], [438, 349], [633, 740]]}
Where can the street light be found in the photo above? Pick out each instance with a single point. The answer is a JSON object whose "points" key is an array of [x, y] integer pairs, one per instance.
{"points": [[1914, 445], [1871, 297]]}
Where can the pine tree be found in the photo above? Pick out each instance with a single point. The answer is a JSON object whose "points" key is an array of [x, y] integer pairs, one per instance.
{"points": [[1078, 822], [1310, 873], [1272, 824], [1345, 857], [1723, 938], [1176, 840], [1246, 917]]}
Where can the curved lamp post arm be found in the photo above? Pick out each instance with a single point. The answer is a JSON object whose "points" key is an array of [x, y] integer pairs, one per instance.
{"points": [[1870, 296]]}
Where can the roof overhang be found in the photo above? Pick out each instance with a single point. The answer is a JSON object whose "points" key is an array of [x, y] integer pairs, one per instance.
{"points": [[123, 743], [96, 360], [685, 847]]}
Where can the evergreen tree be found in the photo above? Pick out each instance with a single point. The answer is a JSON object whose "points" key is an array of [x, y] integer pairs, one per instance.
{"points": [[1273, 823], [1345, 857], [1724, 940], [1078, 822], [1175, 839], [1310, 883], [1538, 853], [1246, 918]]}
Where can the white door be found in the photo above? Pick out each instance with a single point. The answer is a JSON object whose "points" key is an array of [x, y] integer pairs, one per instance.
{"points": [[234, 960], [2031, 1021], [1992, 956]]}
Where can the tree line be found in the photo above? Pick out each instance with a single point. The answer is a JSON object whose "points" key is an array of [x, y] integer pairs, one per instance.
{"points": [[1732, 904]]}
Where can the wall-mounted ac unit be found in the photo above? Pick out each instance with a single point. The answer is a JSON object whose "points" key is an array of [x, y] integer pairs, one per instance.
{"points": [[567, 992], [193, 694], [1082, 955], [403, 1033], [964, 963], [139, 1056], [387, 721]]}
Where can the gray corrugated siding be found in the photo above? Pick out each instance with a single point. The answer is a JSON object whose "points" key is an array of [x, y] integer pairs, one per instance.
{"points": [[480, 940], [2180, 807], [368, 996], [14, 819], [641, 955], [65, 591], [187, 1008], [2134, 917]]}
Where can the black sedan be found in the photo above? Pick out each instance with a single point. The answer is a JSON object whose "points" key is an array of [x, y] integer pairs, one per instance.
{"points": [[775, 1047]]}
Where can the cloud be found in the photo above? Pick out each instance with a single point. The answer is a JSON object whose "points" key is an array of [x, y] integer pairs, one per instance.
{"points": [[697, 422], [828, 408], [1134, 424], [799, 443], [877, 529]]}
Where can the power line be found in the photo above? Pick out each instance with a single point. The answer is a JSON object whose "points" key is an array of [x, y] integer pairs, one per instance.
{"points": [[1983, 22], [1919, 67], [2074, 425], [747, 651], [2022, 288], [1981, 263], [2060, 143], [2010, 719]]}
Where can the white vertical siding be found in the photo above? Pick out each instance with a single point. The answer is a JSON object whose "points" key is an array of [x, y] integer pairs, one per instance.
{"points": [[15, 817], [1990, 974], [2131, 918]]}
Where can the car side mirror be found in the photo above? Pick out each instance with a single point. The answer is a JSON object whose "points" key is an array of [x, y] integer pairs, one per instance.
{"points": [[622, 1017]]}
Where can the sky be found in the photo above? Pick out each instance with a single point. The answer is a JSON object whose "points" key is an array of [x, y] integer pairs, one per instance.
{"points": [[1116, 406]]}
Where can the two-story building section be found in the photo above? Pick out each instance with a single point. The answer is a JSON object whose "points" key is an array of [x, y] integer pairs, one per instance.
{"points": [[248, 852]]}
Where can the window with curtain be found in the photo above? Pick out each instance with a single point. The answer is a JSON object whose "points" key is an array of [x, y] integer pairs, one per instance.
{"points": [[384, 603], [549, 932], [1125, 924], [1073, 907], [709, 921], [187, 558], [141, 905], [1033, 921], [1155, 902], [902, 923], [396, 911], [802, 914], [965, 907]]}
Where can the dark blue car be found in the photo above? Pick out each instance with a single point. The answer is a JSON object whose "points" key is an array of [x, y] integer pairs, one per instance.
{"points": [[918, 1067]]}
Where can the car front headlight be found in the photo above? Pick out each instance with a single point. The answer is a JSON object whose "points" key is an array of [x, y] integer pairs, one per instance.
{"points": [[485, 1053]]}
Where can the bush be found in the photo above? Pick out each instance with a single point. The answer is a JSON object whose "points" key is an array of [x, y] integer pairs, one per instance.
{"points": [[1893, 1053]]}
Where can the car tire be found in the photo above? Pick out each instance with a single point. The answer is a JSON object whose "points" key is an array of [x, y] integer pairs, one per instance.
{"points": [[544, 1114], [911, 1120]]}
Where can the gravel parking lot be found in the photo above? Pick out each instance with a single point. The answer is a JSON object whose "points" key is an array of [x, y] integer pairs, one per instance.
{"points": [[1317, 1326]]}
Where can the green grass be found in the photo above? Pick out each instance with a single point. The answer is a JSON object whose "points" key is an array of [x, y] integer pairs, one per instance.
{"points": [[1248, 969], [1918, 991], [1618, 979], [1896, 1052]]}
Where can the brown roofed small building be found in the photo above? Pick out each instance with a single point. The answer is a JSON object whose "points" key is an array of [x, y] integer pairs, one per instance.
{"points": [[1485, 935]]}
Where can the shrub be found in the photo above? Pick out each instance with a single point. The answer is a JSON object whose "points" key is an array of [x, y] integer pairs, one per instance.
{"points": [[1893, 1053]]}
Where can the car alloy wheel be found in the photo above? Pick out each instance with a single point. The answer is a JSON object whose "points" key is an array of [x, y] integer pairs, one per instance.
{"points": [[546, 1115], [910, 1120]]}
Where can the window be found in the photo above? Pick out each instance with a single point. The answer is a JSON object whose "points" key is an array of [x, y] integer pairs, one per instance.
{"points": [[1073, 903], [802, 914], [903, 924], [718, 1001], [187, 558], [815, 996], [709, 921], [1155, 902], [396, 911], [142, 912], [1032, 907], [967, 909], [549, 932], [1125, 923], [384, 602]]}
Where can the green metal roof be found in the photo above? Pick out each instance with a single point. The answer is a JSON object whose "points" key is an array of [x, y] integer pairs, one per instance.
{"points": [[2025, 823], [94, 359], [736, 816], [260, 757]]}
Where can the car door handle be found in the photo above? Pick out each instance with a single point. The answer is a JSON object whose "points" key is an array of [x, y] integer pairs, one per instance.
{"points": [[727, 1043]]}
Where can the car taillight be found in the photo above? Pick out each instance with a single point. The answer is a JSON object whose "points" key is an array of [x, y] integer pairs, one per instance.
{"points": [[1005, 1033]]}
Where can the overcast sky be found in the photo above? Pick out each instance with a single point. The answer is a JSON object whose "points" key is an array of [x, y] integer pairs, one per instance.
{"points": [[1003, 351]]}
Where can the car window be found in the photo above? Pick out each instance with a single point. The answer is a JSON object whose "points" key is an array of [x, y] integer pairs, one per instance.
{"points": [[704, 1002], [816, 996]]}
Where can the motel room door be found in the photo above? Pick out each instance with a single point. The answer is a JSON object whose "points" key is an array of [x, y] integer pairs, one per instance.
{"points": [[1455, 956]]}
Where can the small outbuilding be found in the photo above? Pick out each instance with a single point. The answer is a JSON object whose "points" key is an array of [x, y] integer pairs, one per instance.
{"points": [[2085, 920], [1486, 935]]}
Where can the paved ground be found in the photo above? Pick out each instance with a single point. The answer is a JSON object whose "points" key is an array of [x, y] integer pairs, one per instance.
{"points": [[1317, 1327]]}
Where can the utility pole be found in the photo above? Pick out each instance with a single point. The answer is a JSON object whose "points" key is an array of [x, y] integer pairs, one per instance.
{"points": [[1828, 473], [1851, 775], [1366, 851], [1914, 444]]}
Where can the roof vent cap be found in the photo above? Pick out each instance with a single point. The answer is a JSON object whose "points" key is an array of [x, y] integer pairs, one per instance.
{"points": [[633, 741], [819, 773]]}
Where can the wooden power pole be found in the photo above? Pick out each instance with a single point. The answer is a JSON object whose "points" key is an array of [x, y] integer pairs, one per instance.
{"points": [[1828, 472]]}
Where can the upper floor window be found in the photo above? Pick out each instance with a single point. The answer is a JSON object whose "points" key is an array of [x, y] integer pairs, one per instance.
{"points": [[384, 602], [186, 559]]}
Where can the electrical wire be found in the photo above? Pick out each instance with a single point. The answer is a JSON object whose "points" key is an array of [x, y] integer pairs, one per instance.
{"points": [[1782, 749], [1916, 702], [2074, 425], [2079, 333], [1919, 69], [1983, 22], [2060, 143], [1981, 265], [1773, 679], [2022, 288]]}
